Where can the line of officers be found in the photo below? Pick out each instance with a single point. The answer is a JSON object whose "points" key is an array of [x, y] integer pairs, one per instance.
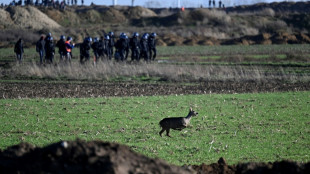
{"points": [[103, 48]]}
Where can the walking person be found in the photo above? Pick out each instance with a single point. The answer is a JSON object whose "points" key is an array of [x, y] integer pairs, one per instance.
{"points": [[101, 49], [84, 50], [111, 43], [121, 47], [19, 50], [144, 47], [106, 45], [95, 47], [40, 45], [50, 50], [152, 46], [69, 48], [61, 48], [135, 47]]}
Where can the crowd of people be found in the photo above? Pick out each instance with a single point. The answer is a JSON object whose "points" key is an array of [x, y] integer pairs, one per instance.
{"points": [[61, 4], [103, 48]]}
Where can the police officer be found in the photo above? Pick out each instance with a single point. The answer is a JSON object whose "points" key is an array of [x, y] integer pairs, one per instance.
{"points": [[50, 50], [135, 47], [95, 47], [101, 47], [144, 47], [61, 47], [47, 38], [19, 50], [84, 50], [106, 45], [121, 47], [40, 45], [111, 42], [152, 45], [127, 46]]}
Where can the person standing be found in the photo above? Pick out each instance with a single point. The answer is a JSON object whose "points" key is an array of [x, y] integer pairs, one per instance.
{"points": [[145, 47], [135, 47], [111, 42], [122, 47], [152, 46], [106, 46], [61, 48], [84, 50], [69, 48], [95, 47], [19, 50], [40, 48], [47, 37], [50, 50]]}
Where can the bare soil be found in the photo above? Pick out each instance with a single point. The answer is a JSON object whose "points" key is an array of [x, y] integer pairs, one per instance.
{"points": [[48, 89], [103, 157]]}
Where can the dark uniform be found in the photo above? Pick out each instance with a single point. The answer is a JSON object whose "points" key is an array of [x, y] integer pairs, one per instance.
{"points": [[144, 45], [135, 47], [95, 47], [40, 46], [84, 50], [127, 47], [61, 47], [152, 46], [122, 46], [106, 45], [101, 47], [111, 43], [19, 50], [50, 50], [46, 40]]}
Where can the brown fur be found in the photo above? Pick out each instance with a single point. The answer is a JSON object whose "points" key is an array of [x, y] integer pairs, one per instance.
{"points": [[176, 123]]}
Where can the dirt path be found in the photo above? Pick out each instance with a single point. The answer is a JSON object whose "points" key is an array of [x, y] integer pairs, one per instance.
{"points": [[90, 89]]}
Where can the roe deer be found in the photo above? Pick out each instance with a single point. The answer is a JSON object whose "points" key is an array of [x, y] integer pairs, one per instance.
{"points": [[176, 123]]}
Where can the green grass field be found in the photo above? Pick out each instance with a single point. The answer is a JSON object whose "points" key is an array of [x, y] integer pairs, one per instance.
{"points": [[239, 127]]}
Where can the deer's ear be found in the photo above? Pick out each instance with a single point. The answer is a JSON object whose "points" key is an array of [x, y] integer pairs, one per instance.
{"points": [[191, 109]]}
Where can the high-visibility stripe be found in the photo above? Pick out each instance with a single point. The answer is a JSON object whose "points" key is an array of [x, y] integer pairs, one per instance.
{"points": [[68, 49]]}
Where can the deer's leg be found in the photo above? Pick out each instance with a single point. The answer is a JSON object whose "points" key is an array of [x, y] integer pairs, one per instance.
{"points": [[168, 130], [162, 130]]}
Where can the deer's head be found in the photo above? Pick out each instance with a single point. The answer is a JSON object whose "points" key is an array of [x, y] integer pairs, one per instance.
{"points": [[192, 112]]}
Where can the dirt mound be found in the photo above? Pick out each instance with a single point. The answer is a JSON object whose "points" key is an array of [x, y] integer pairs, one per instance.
{"points": [[113, 15], [139, 12], [5, 19], [104, 157], [81, 157], [30, 18], [301, 7], [284, 167]]}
